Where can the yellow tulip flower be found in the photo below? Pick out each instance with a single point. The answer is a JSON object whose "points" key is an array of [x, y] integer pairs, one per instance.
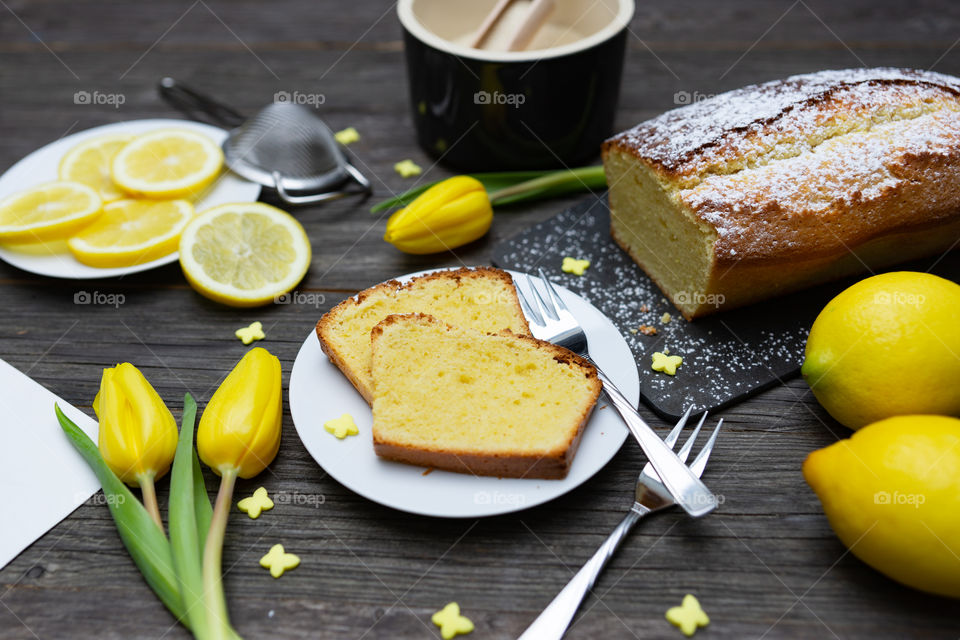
{"points": [[445, 216], [238, 435], [240, 427], [138, 435]]}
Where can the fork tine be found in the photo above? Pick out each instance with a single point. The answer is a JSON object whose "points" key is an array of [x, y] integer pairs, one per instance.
{"points": [[671, 438], [546, 310], [527, 310], [700, 462], [554, 296], [685, 450]]}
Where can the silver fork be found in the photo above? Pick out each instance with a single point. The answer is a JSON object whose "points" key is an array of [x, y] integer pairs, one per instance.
{"points": [[651, 496], [554, 323]]}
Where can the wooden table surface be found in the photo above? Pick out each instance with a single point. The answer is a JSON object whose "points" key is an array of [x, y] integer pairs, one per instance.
{"points": [[763, 565]]}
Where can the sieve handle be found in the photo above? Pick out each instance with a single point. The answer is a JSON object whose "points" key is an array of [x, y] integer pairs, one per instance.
{"points": [[198, 106]]}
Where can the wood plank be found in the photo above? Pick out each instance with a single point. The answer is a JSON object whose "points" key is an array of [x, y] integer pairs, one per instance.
{"points": [[766, 564]]}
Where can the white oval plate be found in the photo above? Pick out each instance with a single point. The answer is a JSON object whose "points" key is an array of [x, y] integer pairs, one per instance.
{"points": [[41, 166], [319, 392]]}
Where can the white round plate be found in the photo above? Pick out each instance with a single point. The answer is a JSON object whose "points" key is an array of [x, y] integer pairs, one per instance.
{"points": [[41, 166], [319, 392]]}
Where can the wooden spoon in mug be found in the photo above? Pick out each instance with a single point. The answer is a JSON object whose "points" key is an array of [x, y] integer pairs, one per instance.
{"points": [[539, 10], [536, 16], [488, 23]]}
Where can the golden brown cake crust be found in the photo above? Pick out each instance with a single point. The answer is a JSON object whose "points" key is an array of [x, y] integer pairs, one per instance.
{"points": [[325, 326], [551, 466], [545, 468]]}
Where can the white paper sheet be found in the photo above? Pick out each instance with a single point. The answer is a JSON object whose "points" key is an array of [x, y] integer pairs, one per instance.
{"points": [[42, 477]]}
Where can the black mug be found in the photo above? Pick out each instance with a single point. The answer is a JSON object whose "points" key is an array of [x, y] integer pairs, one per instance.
{"points": [[478, 110]]}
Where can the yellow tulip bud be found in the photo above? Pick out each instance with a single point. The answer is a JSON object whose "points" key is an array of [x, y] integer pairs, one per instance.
{"points": [[447, 215], [240, 427], [138, 435]]}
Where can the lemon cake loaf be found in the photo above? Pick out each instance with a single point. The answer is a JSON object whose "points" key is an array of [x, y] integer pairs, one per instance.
{"points": [[488, 404], [482, 298], [779, 186]]}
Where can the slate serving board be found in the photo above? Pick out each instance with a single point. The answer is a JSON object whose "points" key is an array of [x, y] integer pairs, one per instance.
{"points": [[727, 357]]}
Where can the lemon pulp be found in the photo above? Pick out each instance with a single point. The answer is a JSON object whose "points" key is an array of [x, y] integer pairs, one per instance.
{"points": [[49, 211], [168, 163], [244, 254], [89, 163], [132, 232]]}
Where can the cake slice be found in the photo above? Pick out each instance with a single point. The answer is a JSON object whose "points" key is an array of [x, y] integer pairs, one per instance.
{"points": [[483, 298], [487, 404]]}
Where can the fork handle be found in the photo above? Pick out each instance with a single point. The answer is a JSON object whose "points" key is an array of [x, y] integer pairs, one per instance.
{"points": [[553, 622], [682, 483]]}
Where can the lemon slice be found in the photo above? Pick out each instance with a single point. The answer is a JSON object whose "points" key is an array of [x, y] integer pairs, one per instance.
{"points": [[132, 232], [48, 211], [168, 163], [244, 254], [89, 163]]}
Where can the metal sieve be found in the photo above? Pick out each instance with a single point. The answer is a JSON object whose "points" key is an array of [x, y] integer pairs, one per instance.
{"points": [[285, 146]]}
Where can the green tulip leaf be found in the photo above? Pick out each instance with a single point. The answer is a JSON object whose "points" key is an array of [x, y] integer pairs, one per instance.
{"points": [[144, 540], [184, 528], [201, 503]]}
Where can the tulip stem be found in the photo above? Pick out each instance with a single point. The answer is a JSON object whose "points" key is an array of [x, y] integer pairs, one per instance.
{"points": [[149, 493], [578, 179], [213, 597]]}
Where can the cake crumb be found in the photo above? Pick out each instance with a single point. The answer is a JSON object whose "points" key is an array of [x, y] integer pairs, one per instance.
{"points": [[633, 331], [427, 471], [647, 330], [666, 318], [644, 308]]}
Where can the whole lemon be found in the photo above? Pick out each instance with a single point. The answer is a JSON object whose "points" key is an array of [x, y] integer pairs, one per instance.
{"points": [[892, 496], [888, 345]]}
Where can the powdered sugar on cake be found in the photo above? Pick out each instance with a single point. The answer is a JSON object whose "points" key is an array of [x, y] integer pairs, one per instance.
{"points": [[671, 138], [849, 185]]}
